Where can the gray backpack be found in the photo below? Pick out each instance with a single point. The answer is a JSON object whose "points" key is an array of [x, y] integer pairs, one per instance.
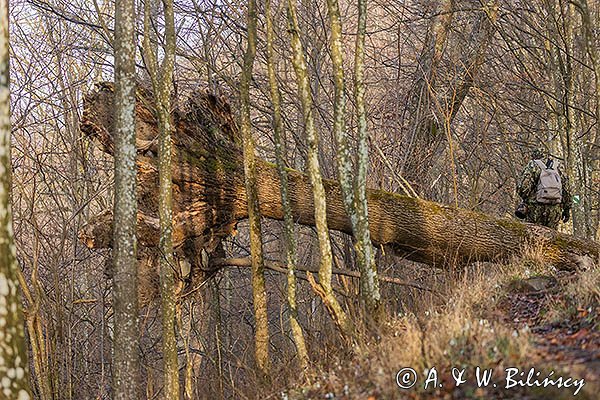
{"points": [[549, 188]]}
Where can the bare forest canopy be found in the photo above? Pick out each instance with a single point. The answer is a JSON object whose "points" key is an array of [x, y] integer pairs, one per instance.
{"points": [[457, 93], [210, 199]]}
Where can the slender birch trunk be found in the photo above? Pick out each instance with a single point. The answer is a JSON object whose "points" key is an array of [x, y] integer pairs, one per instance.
{"points": [[364, 247], [13, 354], [289, 231], [126, 342], [557, 144], [259, 293], [323, 288], [368, 271], [162, 83], [344, 162]]}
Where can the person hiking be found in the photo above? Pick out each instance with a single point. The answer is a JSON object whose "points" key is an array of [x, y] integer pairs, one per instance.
{"points": [[544, 190]]}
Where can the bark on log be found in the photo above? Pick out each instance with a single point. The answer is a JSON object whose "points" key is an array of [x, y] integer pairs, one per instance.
{"points": [[209, 197]]}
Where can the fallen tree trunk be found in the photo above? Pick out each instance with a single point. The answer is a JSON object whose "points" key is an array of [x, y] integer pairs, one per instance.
{"points": [[209, 197]]}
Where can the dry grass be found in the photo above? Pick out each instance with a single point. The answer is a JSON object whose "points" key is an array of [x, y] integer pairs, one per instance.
{"points": [[579, 297], [529, 263], [455, 334], [585, 288], [463, 325]]}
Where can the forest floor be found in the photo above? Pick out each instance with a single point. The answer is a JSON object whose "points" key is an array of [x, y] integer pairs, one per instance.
{"points": [[564, 335], [543, 319]]}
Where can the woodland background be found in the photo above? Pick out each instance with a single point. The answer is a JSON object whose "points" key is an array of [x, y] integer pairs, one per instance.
{"points": [[497, 78]]}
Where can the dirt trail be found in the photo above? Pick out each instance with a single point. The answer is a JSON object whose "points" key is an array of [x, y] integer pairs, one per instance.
{"points": [[565, 337]]}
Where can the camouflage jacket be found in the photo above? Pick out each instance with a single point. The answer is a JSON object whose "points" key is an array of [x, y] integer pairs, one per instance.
{"points": [[528, 182]]}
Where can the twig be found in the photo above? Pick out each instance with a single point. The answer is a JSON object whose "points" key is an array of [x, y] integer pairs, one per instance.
{"points": [[278, 267]]}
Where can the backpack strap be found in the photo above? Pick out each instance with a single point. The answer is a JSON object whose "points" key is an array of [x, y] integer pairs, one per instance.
{"points": [[540, 164]]}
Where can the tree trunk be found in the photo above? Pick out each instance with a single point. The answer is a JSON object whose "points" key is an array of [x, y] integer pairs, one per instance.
{"points": [[433, 115], [162, 84], [589, 26], [210, 198], [317, 188], [369, 285], [288, 219], [365, 253], [126, 338], [424, 138], [13, 353], [259, 290]]}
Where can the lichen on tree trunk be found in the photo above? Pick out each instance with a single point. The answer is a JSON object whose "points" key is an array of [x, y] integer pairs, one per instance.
{"points": [[161, 77], [289, 231], [13, 352], [126, 340], [323, 287], [259, 291]]}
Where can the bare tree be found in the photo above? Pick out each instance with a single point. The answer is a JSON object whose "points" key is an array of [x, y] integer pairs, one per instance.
{"points": [[13, 354], [364, 254], [590, 166], [364, 247], [323, 287], [536, 72], [289, 231], [259, 292], [126, 342], [162, 84]]}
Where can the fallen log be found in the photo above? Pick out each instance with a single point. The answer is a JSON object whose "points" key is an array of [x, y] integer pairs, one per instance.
{"points": [[209, 197]]}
